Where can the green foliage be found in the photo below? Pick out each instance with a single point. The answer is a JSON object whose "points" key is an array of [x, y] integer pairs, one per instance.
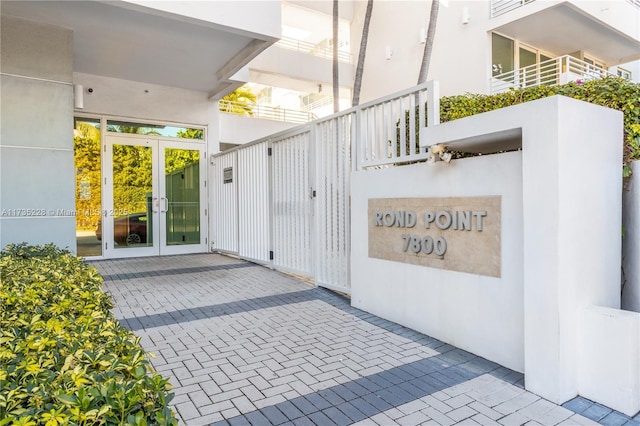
{"points": [[64, 359], [132, 180], [613, 92], [191, 134], [240, 101], [180, 159], [87, 163]]}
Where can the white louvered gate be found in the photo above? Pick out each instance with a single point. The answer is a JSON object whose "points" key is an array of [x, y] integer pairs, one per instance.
{"points": [[333, 138], [225, 203], [291, 204], [284, 200], [253, 202]]}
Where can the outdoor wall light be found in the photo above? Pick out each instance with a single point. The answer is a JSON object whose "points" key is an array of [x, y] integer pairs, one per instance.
{"points": [[388, 53], [437, 153], [423, 35], [465, 15], [78, 96]]}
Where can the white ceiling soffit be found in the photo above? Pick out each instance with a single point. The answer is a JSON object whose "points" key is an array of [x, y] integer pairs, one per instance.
{"points": [[112, 39], [564, 29]]}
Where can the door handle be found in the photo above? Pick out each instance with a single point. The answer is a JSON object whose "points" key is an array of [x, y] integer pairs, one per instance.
{"points": [[166, 204]]}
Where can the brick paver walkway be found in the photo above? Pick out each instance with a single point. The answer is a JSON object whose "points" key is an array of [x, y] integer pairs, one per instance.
{"points": [[243, 344]]}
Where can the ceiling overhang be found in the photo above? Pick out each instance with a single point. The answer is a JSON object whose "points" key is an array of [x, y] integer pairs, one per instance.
{"points": [[113, 39], [563, 29]]}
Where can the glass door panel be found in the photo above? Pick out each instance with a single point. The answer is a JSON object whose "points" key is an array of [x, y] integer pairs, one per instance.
{"points": [[131, 214], [87, 150], [132, 196], [156, 197], [182, 192], [502, 55], [181, 188]]}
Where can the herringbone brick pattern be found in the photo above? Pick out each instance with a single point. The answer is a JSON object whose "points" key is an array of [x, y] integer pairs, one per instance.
{"points": [[243, 344]]}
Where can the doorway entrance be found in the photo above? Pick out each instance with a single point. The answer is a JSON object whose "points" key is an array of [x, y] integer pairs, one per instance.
{"points": [[154, 198]]}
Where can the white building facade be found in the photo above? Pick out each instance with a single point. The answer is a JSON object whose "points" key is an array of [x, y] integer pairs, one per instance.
{"points": [[478, 43], [480, 47], [109, 110]]}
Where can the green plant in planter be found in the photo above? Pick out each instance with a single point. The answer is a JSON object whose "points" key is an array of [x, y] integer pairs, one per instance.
{"points": [[64, 359], [612, 92]]}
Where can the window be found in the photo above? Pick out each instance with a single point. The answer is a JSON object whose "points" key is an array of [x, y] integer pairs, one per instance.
{"points": [[502, 55], [519, 65], [621, 72], [88, 189], [155, 130]]}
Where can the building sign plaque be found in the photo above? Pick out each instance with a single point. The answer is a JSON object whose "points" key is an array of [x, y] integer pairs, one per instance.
{"points": [[458, 234]]}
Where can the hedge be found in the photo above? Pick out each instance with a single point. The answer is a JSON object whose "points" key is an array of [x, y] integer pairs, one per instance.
{"points": [[612, 92], [64, 359]]}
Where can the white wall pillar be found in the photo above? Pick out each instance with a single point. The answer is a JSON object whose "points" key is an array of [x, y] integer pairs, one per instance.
{"points": [[36, 143], [631, 241], [571, 190], [572, 223]]}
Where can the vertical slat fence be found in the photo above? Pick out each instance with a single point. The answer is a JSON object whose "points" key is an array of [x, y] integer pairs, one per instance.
{"points": [[288, 202], [253, 202], [291, 206]]}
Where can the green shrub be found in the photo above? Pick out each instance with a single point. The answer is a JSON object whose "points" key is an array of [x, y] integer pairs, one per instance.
{"points": [[64, 359], [613, 92]]}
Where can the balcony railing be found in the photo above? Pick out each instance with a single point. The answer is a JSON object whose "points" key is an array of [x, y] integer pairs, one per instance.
{"points": [[319, 103], [266, 112], [312, 49], [559, 70], [498, 7]]}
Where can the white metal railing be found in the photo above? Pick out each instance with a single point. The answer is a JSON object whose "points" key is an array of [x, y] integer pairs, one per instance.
{"points": [[387, 128], [312, 49], [266, 112], [283, 200], [560, 70], [499, 7], [322, 102]]}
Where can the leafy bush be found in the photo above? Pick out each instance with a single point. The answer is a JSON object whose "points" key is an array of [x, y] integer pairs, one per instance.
{"points": [[613, 92], [64, 359]]}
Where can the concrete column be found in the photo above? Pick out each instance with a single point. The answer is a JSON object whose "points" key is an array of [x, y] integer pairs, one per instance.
{"points": [[36, 137], [631, 241], [572, 153]]}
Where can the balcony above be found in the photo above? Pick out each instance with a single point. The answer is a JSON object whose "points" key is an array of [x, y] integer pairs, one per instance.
{"points": [[313, 49], [285, 65], [266, 112], [609, 31], [190, 45], [561, 70]]}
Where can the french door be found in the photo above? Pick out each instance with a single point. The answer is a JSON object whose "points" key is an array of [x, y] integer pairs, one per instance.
{"points": [[155, 200]]}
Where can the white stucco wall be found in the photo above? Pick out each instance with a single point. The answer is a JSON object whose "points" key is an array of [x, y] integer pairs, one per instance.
{"points": [[239, 129], [36, 134], [621, 15], [571, 220], [460, 60], [631, 241], [609, 361], [261, 18], [481, 314], [309, 68], [143, 101]]}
